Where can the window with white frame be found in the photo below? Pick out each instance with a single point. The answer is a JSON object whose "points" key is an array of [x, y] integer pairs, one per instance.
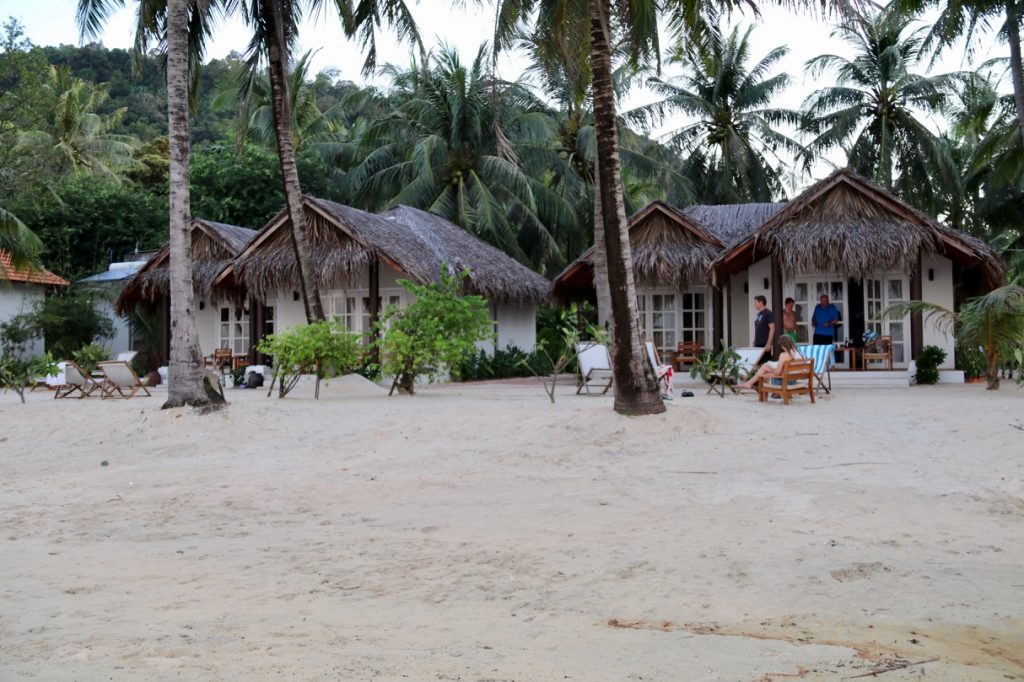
{"points": [[668, 318], [694, 316], [234, 329]]}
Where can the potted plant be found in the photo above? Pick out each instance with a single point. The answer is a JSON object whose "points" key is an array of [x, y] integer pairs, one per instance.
{"points": [[719, 369]]}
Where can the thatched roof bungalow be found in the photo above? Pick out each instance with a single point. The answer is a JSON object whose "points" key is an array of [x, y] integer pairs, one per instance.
{"points": [[213, 246], [866, 249], [698, 268], [359, 258], [147, 291]]}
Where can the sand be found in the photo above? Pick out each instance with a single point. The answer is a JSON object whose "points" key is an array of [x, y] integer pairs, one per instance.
{"points": [[477, 532]]}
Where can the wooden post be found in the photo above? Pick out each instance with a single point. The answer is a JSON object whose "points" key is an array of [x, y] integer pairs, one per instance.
{"points": [[255, 330], [777, 304], [374, 308], [717, 326], [916, 321]]}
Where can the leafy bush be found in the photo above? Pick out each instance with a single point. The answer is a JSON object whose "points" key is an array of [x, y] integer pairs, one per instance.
{"points": [[325, 349], [928, 361], [504, 364], [69, 320], [971, 361], [17, 374], [90, 355], [433, 334]]}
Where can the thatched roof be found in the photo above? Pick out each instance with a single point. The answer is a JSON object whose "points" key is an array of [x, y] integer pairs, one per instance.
{"points": [[413, 242], [848, 225], [732, 223], [668, 247], [213, 246]]}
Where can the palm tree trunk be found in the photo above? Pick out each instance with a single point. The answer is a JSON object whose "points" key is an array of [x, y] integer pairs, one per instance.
{"points": [[636, 388], [185, 368], [277, 62], [1016, 65], [604, 294]]}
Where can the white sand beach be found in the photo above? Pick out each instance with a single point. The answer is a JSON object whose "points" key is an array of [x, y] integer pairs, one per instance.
{"points": [[477, 532]]}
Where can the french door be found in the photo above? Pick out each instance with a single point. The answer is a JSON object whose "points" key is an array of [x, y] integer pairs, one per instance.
{"points": [[880, 292], [807, 293]]}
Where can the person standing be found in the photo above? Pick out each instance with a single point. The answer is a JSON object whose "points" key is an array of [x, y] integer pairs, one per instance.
{"points": [[789, 319], [825, 318], [764, 325]]}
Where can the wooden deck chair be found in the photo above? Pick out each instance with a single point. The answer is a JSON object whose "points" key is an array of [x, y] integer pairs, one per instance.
{"points": [[749, 360], [662, 372], [797, 377], [593, 365], [76, 380], [120, 380], [687, 353], [824, 357], [127, 356]]}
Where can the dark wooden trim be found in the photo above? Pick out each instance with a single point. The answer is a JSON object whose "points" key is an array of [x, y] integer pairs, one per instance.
{"points": [[717, 303], [374, 308], [777, 304], [916, 321]]}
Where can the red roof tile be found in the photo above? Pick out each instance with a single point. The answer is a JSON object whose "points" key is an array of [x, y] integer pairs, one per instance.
{"points": [[30, 275]]}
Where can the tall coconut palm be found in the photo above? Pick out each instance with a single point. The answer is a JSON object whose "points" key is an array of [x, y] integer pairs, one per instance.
{"points": [[964, 21], [73, 134], [731, 134], [437, 152], [274, 25], [183, 25], [875, 111], [312, 129]]}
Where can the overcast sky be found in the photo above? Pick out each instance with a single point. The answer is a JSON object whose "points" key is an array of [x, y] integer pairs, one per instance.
{"points": [[52, 22]]}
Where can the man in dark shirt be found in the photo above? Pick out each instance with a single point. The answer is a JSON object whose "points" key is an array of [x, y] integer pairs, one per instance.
{"points": [[764, 325]]}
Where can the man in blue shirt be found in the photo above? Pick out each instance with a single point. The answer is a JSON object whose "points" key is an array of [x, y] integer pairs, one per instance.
{"points": [[825, 318]]}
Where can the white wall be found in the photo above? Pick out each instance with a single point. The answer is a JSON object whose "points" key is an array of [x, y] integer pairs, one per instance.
{"points": [[208, 326], [17, 298], [517, 326], [939, 291]]}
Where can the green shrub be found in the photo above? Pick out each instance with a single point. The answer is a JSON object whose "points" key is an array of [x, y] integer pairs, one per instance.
{"points": [[17, 374], [433, 334], [971, 361], [503, 364], [324, 349], [928, 361], [91, 355]]}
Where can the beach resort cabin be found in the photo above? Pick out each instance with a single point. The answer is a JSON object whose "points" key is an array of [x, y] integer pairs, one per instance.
{"points": [[866, 249], [359, 258], [219, 322], [698, 269], [672, 252], [21, 289]]}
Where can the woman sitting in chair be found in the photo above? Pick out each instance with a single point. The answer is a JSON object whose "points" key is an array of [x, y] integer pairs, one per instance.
{"points": [[774, 369]]}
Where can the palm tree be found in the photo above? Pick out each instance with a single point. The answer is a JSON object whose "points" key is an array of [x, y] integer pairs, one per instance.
{"points": [[993, 322], [732, 132], [184, 26], [20, 244], [78, 138], [437, 151], [962, 20], [874, 111], [312, 129], [275, 30]]}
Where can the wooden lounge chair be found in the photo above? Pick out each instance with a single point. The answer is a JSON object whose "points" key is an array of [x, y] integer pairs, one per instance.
{"points": [[797, 377], [120, 380], [824, 358], [76, 381], [593, 366], [662, 372]]}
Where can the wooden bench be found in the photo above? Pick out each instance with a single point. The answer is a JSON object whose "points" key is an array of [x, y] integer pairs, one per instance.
{"points": [[797, 377]]}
